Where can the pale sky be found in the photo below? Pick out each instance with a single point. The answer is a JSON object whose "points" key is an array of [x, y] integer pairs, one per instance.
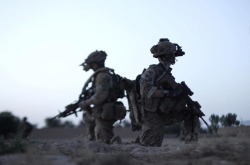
{"points": [[43, 42]]}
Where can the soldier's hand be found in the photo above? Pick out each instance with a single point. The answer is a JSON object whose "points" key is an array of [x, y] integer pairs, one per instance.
{"points": [[83, 104], [127, 83]]}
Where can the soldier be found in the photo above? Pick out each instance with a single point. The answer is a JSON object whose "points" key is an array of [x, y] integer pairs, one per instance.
{"points": [[103, 108], [25, 128], [160, 104]]}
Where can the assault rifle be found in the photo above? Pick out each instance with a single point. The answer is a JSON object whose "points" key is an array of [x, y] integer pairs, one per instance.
{"points": [[72, 108], [87, 92], [193, 106]]}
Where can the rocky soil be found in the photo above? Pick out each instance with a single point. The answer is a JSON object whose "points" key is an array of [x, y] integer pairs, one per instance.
{"points": [[212, 150]]}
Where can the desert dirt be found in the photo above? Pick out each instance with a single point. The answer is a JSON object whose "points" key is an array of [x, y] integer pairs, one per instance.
{"points": [[70, 147]]}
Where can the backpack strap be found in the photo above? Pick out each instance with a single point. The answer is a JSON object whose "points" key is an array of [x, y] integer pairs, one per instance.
{"points": [[92, 77]]}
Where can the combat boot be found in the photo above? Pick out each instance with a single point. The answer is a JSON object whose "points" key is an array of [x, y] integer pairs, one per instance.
{"points": [[116, 139]]}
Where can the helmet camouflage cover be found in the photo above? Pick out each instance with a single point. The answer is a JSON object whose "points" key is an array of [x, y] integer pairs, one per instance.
{"points": [[96, 56], [164, 47]]}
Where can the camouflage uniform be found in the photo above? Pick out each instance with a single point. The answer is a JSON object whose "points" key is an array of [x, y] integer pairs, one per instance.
{"points": [[90, 123], [102, 85], [157, 112]]}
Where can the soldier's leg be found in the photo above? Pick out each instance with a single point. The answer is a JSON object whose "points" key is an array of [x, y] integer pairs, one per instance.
{"points": [[191, 128], [197, 127], [90, 125], [104, 130], [182, 131], [190, 124], [152, 129]]}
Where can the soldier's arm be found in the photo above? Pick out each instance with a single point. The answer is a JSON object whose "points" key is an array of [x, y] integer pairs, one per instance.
{"points": [[147, 84], [148, 88], [103, 83]]}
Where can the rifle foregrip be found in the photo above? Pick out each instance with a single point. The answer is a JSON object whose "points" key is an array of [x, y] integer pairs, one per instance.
{"points": [[198, 111], [197, 104], [186, 88]]}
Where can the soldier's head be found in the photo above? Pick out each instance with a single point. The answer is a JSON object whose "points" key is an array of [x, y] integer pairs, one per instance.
{"points": [[166, 51], [95, 60], [25, 118]]}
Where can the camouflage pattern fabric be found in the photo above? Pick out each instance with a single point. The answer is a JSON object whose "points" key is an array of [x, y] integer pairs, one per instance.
{"points": [[90, 124], [104, 130], [147, 88], [163, 48], [152, 129], [191, 128], [154, 119], [95, 56], [102, 85]]}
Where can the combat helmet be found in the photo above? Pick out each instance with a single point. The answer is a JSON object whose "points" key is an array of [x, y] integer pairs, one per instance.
{"points": [[94, 57], [166, 48]]}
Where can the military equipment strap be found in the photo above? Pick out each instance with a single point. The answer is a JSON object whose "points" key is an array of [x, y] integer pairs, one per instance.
{"points": [[105, 69], [134, 104]]}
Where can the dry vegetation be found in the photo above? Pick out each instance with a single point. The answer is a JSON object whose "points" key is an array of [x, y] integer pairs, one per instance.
{"points": [[69, 147]]}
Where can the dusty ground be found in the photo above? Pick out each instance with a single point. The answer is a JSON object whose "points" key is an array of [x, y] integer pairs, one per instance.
{"points": [[70, 147]]}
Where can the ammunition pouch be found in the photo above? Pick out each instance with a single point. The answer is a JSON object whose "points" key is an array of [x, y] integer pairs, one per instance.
{"points": [[87, 117], [151, 104], [168, 105], [113, 111]]}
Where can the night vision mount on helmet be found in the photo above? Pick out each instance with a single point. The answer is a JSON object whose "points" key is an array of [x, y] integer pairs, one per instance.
{"points": [[166, 48], [96, 56]]}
